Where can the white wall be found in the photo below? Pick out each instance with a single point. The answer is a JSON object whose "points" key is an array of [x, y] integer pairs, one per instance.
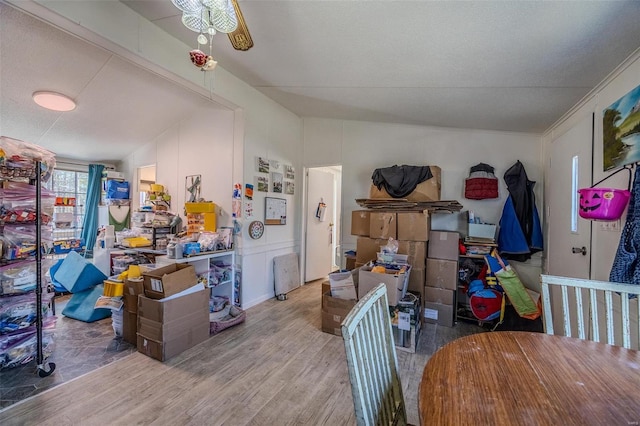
{"points": [[361, 147], [616, 85], [214, 143]]}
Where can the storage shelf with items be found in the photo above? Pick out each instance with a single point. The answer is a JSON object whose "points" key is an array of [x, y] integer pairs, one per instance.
{"points": [[472, 268], [65, 236], [26, 320]]}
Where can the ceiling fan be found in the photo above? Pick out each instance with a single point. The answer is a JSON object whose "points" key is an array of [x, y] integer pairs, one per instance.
{"points": [[240, 37], [208, 17]]}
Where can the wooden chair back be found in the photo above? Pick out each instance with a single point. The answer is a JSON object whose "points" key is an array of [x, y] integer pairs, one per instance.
{"points": [[591, 309], [372, 361]]}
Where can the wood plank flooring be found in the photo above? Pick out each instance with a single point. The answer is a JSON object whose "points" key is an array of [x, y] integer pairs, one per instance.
{"points": [[276, 368]]}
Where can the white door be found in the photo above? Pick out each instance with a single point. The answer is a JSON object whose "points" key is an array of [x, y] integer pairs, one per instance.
{"points": [[570, 170], [320, 224], [569, 245]]}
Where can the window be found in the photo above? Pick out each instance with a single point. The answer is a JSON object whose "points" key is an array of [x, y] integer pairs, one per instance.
{"points": [[574, 194], [70, 184]]}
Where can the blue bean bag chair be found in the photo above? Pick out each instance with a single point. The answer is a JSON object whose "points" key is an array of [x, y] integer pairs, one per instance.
{"points": [[76, 274], [59, 288], [80, 305]]}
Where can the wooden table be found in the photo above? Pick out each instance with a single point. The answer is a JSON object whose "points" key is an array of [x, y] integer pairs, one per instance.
{"points": [[530, 378]]}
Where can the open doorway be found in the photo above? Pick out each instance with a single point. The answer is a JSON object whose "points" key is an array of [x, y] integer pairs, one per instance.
{"points": [[322, 221], [146, 178]]}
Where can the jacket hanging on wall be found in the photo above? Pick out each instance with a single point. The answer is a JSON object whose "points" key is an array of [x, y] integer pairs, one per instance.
{"points": [[520, 234], [626, 264], [400, 181], [481, 183]]}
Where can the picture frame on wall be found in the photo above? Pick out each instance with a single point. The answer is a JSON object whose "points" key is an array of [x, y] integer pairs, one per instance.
{"points": [[289, 188], [276, 182], [275, 211], [621, 131], [192, 187], [262, 183], [289, 172], [262, 164]]}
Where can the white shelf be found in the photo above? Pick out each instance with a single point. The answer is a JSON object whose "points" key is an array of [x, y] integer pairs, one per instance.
{"points": [[203, 264]]}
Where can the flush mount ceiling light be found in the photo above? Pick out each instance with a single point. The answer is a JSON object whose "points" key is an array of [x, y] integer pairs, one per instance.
{"points": [[54, 101]]}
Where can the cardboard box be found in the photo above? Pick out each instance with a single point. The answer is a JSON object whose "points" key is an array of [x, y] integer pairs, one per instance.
{"points": [[382, 225], [166, 281], [130, 327], [482, 230], [417, 280], [416, 250], [360, 222], [350, 262], [174, 345], [334, 311], [429, 190], [439, 295], [442, 273], [169, 326], [326, 287], [331, 322], [132, 288], [437, 313], [175, 307], [444, 245], [335, 305], [161, 331], [413, 226], [344, 285], [367, 249], [396, 283]]}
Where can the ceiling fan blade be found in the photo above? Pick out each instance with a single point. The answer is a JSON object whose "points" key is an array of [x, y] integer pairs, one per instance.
{"points": [[240, 37]]}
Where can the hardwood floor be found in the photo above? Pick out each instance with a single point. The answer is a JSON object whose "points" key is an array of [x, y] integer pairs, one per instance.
{"points": [[276, 368]]}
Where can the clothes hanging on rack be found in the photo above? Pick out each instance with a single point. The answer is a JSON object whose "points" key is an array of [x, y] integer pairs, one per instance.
{"points": [[626, 264]]}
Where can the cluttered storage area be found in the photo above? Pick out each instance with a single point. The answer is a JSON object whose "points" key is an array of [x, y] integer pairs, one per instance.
{"points": [[162, 283], [437, 276]]}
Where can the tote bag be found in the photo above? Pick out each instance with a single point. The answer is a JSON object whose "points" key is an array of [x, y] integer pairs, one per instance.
{"points": [[626, 264]]}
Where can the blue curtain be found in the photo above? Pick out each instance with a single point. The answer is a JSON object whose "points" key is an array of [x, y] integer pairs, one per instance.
{"points": [[90, 224]]}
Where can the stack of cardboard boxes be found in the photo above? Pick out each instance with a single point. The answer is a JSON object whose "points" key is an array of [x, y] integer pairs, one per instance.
{"points": [[442, 278], [409, 228], [171, 311]]}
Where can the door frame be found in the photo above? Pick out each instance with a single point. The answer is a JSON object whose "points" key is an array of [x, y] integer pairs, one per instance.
{"points": [[337, 219]]}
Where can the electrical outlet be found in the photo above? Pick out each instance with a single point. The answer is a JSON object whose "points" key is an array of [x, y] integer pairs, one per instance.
{"points": [[613, 226]]}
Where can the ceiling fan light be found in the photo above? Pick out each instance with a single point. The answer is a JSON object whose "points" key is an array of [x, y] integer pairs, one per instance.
{"points": [[197, 23], [54, 101], [214, 4], [188, 6], [224, 21]]}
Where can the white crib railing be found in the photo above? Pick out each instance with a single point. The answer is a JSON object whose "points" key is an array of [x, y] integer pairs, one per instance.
{"points": [[577, 307]]}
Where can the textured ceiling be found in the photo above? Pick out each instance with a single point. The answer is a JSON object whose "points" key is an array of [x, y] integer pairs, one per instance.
{"points": [[120, 106], [498, 65], [495, 65]]}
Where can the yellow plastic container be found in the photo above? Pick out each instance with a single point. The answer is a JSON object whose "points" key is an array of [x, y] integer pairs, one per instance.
{"points": [[113, 289], [198, 222], [200, 207], [157, 188]]}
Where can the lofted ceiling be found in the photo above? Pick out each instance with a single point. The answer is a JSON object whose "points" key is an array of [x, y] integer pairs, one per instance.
{"points": [[495, 65]]}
